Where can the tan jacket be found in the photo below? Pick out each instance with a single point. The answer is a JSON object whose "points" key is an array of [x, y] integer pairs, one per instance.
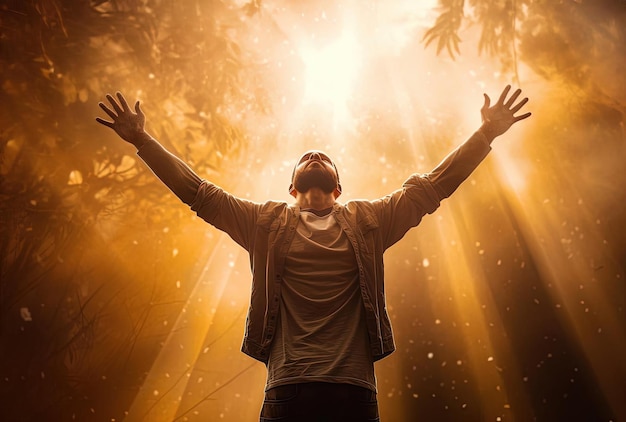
{"points": [[266, 230]]}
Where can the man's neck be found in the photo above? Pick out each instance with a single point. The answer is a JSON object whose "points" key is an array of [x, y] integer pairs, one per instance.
{"points": [[315, 199]]}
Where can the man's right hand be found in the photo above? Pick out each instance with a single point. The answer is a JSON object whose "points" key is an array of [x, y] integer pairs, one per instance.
{"points": [[128, 125], [500, 117]]}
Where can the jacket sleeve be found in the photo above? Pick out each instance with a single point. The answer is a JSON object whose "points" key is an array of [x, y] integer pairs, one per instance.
{"points": [[422, 194], [458, 165], [231, 214], [172, 171]]}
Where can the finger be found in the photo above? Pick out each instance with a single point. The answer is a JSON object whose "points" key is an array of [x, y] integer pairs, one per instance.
{"points": [[522, 117], [108, 111], [104, 122], [123, 102], [116, 107], [138, 109], [520, 105], [505, 92], [513, 98]]}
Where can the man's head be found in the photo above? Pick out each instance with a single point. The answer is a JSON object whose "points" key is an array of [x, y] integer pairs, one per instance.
{"points": [[315, 169]]}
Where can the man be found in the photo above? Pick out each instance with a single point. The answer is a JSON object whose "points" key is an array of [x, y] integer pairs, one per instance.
{"points": [[317, 315]]}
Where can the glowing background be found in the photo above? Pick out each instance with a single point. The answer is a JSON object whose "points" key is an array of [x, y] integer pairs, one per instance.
{"points": [[507, 303]]}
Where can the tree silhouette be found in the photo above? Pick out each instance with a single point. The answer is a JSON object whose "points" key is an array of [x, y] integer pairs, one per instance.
{"points": [[86, 264]]}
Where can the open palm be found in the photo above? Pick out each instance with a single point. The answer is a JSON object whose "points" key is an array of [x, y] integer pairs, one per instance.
{"points": [[127, 124], [498, 118]]}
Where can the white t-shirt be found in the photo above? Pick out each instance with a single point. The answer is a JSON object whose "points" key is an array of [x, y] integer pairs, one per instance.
{"points": [[321, 334]]}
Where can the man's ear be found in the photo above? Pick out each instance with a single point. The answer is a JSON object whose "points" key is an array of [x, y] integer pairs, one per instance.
{"points": [[337, 191]]}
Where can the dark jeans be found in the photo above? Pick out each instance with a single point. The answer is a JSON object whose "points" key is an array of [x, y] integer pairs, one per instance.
{"points": [[319, 402]]}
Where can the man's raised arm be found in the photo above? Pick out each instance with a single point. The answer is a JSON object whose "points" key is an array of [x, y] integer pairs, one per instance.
{"points": [[460, 163]]}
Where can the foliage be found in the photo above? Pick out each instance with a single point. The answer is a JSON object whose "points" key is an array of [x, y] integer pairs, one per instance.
{"points": [[84, 247], [581, 45], [498, 22], [576, 42], [446, 28]]}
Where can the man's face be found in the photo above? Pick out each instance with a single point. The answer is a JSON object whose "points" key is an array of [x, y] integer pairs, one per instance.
{"points": [[315, 169]]}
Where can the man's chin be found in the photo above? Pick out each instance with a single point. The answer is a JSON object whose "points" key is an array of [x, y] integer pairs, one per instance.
{"points": [[306, 188], [315, 179]]}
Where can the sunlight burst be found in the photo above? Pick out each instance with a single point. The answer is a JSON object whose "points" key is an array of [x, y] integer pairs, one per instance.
{"points": [[330, 73]]}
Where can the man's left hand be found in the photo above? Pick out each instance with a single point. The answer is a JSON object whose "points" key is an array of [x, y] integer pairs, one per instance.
{"points": [[498, 118]]}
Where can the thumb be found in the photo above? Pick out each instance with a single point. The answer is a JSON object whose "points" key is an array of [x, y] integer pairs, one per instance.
{"points": [[487, 101]]}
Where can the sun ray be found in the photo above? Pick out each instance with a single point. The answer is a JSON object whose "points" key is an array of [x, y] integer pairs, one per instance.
{"points": [[570, 275], [160, 395]]}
